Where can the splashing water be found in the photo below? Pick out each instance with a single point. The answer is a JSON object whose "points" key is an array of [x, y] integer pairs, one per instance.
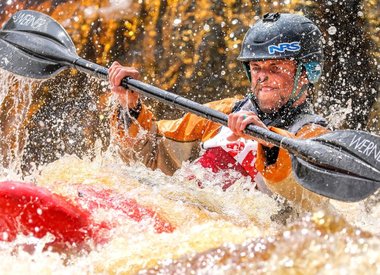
{"points": [[15, 102], [232, 231]]}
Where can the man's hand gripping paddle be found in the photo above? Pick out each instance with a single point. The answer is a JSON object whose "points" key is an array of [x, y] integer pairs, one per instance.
{"points": [[342, 165]]}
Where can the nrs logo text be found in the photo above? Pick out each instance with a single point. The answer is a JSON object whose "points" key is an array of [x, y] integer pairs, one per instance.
{"points": [[282, 47]]}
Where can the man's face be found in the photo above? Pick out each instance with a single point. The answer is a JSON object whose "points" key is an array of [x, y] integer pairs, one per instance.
{"points": [[272, 83]]}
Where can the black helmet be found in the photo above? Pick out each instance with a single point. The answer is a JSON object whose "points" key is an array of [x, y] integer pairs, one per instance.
{"points": [[285, 36]]}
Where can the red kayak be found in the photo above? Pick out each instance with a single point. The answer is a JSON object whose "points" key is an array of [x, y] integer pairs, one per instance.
{"points": [[35, 211], [108, 199]]}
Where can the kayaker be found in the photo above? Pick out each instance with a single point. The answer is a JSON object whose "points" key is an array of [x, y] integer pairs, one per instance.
{"points": [[282, 55]]}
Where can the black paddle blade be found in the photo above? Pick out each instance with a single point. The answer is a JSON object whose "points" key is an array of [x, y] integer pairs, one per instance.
{"points": [[41, 24], [18, 62], [30, 43], [332, 184], [347, 167]]}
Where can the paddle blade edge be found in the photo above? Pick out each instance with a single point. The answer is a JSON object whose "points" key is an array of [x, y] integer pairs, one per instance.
{"points": [[332, 184]]}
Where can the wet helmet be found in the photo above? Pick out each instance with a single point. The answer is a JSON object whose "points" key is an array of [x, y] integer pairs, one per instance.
{"points": [[285, 36]]}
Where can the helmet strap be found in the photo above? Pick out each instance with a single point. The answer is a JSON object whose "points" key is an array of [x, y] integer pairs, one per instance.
{"points": [[247, 70], [304, 87]]}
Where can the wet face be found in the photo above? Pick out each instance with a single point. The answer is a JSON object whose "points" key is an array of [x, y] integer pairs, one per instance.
{"points": [[272, 83]]}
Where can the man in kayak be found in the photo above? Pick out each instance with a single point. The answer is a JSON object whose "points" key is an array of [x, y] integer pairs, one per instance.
{"points": [[282, 55]]}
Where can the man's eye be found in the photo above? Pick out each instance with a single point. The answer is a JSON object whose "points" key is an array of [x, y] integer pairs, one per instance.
{"points": [[276, 69], [255, 69]]}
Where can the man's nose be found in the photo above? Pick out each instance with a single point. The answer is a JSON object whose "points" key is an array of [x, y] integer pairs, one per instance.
{"points": [[260, 77]]}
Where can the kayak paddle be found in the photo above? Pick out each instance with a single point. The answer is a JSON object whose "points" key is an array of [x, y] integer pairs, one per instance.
{"points": [[342, 165]]}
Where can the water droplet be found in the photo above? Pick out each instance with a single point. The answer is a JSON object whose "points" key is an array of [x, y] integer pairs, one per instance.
{"points": [[5, 236], [332, 30], [177, 21]]}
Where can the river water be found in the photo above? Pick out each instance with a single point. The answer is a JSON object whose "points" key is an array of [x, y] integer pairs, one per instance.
{"points": [[239, 230]]}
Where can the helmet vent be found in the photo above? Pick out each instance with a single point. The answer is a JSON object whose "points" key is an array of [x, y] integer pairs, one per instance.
{"points": [[271, 17]]}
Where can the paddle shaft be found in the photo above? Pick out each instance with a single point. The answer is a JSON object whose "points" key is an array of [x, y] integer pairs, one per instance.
{"points": [[183, 103]]}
